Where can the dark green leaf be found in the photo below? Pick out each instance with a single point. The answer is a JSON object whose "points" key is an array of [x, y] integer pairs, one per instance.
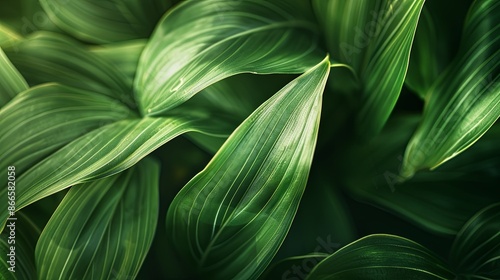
{"points": [[23, 239], [201, 42], [108, 227], [476, 251], [104, 21], [382, 256], [441, 200], [49, 57], [240, 207], [375, 38], [464, 102]]}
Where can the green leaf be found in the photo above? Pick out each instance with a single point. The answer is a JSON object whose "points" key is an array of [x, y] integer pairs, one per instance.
{"points": [[45, 118], [123, 55], [464, 102], [50, 57], [475, 254], [11, 81], [240, 207], [293, 266], [382, 256], [104, 21], [7, 35], [99, 153], [109, 225], [201, 42], [25, 16], [25, 236], [375, 38], [436, 42], [440, 201], [228, 103], [426, 61]]}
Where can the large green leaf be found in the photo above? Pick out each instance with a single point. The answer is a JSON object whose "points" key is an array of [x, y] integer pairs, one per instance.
{"points": [[101, 152], [50, 57], [104, 21], [382, 256], [464, 102], [11, 81], [476, 251], [240, 207], [47, 117], [440, 201], [201, 42], [375, 38], [23, 239], [108, 227]]}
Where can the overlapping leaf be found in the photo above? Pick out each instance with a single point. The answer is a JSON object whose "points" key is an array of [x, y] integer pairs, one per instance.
{"points": [[382, 256], [24, 238], [375, 38], [7, 35], [99, 153], [436, 42], [426, 61], [103, 229], [124, 55], [11, 81], [476, 250], [201, 42], [230, 219], [440, 201], [104, 21], [49, 57], [228, 103], [47, 117], [465, 101]]}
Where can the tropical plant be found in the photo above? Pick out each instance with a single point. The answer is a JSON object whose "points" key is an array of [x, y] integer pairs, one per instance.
{"points": [[339, 139]]}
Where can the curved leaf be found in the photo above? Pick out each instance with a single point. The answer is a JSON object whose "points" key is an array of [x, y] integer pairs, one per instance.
{"points": [[47, 117], [476, 250], [240, 207], [436, 42], [382, 256], [465, 101], [425, 62], [25, 236], [440, 201], [8, 36], [50, 57], [290, 267], [229, 102], [104, 21], [11, 81], [375, 38], [123, 55], [201, 42], [109, 226]]}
